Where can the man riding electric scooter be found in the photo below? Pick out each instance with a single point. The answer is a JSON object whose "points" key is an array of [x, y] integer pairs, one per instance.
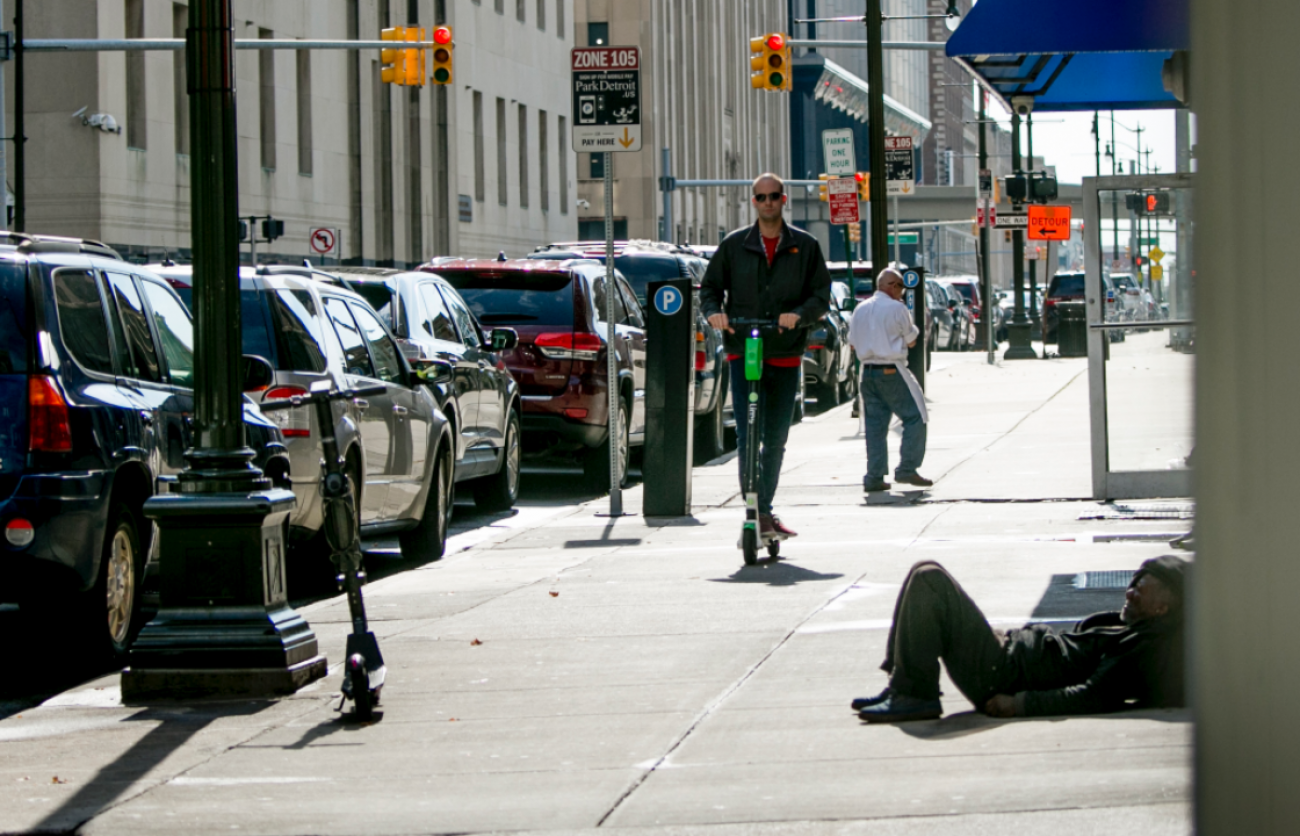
{"points": [[769, 272]]}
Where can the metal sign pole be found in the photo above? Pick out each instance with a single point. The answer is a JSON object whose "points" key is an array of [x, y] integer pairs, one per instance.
{"points": [[611, 359]]}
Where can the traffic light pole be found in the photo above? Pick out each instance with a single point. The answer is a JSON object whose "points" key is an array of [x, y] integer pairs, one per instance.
{"points": [[1018, 332], [990, 335], [1033, 262], [876, 137]]}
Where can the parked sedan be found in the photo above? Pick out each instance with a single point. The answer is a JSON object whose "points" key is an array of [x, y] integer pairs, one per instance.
{"points": [[397, 447], [558, 310], [96, 399], [434, 327], [828, 359]]}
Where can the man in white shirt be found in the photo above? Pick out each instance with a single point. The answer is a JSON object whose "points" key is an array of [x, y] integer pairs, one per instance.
{"points": [[881, 332]]}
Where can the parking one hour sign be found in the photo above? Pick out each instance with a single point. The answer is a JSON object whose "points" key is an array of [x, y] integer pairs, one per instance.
{"points": [[606, 98]]}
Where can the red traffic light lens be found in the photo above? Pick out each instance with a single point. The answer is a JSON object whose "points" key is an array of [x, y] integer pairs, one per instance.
{"points": [[442, 35], [775, 42], [1151, 203], [858, 175]]}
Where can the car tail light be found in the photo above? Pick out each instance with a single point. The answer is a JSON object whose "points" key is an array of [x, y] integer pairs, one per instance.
{"points": [[1049, 303], [569, 345], [575, 412], [816, 347], [48, 430], [291, 424], [700, 358], [19, 533]]}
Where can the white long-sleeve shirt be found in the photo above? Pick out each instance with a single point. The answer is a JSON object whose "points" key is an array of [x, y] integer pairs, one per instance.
{"points": [[880, 330]]}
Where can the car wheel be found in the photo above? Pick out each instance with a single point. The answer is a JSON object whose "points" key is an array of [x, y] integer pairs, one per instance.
{"points": [[500, 491], [428, 540], [802, 393], [710, 434], [595, 466], [112, 606]]}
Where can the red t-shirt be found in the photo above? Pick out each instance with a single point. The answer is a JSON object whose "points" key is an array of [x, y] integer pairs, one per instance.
{"points": [[769, 244]]}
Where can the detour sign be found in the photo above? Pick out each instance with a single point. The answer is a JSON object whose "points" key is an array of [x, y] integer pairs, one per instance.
{"points": [[1049, 223]]}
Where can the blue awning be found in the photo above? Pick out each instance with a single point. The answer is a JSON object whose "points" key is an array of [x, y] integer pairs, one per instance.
{"points": [[1094, 55]]}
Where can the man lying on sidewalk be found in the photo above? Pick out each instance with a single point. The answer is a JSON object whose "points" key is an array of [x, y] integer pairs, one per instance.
{"points": [[1109, 662]]}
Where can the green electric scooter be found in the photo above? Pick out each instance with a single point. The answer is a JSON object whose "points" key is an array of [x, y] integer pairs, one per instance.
{"points": [[751, 536]]}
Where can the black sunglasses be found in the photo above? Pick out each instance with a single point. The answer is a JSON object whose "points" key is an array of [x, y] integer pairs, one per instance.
{"points": [[763, 198]]}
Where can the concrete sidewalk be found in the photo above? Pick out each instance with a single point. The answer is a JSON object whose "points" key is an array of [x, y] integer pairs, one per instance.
{"points": [[632, 674]]}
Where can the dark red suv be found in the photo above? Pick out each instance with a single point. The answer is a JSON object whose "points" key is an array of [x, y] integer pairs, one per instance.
{"points": [[558, 310]]}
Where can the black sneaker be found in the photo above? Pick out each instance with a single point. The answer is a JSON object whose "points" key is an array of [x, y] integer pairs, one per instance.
{"points": [[866, 702], [900, 708]]}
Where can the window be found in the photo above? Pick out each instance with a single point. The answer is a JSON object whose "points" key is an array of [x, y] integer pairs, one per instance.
{"points": [[631, 305], [541, 15], [304, 111], [414, 178], [564, 166], [559, 19], [266, 99], [175, 333], [388, 366], [500, 6], [180, 94], [502, 189], [13, 318], [597, 34], [298, 331], [135, 326], [517, 298], [543, 161], [136, 112], [597, 171], [437, 321], [469, 333], [356, 359], [523, 156], [81, 321], [480, 188], [519, 10]]}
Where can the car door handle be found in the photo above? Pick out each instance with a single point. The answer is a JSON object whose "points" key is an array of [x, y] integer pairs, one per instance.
{"points": [[400, 410], [361, 403]]}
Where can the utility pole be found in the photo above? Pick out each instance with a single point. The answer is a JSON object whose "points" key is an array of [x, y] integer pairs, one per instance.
{"points": [[876, 133], [1033, 262], [1018, 332], [20, 126], [990, 335]]}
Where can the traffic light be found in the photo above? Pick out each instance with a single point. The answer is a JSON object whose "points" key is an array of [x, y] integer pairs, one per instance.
{"points": [[442, 55], [770, 62], [413, 59], [823, 195], [404, 67], [1044, 187], [864, 185], [1151, 203], [855, 232], [272, 229], [1017, 187]]}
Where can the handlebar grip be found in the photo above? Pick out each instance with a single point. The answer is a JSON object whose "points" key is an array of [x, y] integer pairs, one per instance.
{"points": [[288, 403]]}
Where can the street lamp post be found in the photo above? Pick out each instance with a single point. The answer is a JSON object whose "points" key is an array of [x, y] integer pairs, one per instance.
{"points": [[224, 627], [876, 131], [1018, 331]]}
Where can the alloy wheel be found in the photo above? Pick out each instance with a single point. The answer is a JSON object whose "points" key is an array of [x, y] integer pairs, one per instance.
{"points": [[120, 586]]}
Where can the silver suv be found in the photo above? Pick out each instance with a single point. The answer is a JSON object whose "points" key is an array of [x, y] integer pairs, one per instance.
{"points": [[397, 446]]}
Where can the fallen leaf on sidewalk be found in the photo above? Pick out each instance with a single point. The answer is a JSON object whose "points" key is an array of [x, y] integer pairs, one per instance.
{"points": [[555, 595], [57, 780], [475, 643], [451, 719]]}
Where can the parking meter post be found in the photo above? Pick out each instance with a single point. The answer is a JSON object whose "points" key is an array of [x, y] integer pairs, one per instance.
{"points": [[611, 353], [916, 354], [224, 627], [670, 399]]}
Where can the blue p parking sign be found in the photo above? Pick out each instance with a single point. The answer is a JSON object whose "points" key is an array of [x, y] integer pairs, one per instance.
{"points": [[911, 278], [668, 300]]}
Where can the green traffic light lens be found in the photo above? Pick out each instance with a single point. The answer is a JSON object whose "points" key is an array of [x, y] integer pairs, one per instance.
{"points": [[776, 79], [441, 75]]}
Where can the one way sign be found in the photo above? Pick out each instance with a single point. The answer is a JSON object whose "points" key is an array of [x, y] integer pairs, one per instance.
{"points": [[1049, 223]]}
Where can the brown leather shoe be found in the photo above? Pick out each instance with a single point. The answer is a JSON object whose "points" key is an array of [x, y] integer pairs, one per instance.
{"points": [[914, 479]]}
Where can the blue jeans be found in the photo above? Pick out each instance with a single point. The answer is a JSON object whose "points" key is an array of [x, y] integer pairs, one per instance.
{"points": [[776, 393], [885, 395]]}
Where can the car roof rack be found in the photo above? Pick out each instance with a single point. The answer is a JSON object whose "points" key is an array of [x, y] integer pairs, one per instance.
{"points": [[26, 242]]}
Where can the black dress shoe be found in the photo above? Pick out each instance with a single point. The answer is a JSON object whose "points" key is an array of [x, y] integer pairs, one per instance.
{"points": [[900, 708], [866, 702], [869, 486]]}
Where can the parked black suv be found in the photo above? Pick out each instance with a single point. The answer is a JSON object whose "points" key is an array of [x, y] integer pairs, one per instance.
{"points": [[96, 370]]}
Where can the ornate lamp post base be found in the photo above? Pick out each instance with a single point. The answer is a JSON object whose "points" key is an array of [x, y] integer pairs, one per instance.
{"points": [[225, 628], [1020, 346]]}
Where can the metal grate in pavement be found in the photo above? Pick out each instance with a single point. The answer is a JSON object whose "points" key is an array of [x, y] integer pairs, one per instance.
{"points": [[1110, 579], [1144, 511]]}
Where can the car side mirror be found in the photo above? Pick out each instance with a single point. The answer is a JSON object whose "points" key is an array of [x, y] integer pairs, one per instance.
{"points": [[435, 371], [952, 304], [503, 339], [257, 373]]}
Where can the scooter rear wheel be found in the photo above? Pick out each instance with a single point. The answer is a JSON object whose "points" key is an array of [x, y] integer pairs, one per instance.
{"points": [[773, 548], [361, 694], [749, 545]]}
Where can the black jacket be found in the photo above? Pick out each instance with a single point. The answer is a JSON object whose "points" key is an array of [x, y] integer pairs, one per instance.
{"points": [[1101, 665], [740, 283]]}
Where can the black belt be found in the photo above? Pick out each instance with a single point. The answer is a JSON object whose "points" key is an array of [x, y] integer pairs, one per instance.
{"points": [[878, 365]]}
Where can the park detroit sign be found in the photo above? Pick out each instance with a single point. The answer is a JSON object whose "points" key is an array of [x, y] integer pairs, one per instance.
{"points": [[606, 98]]}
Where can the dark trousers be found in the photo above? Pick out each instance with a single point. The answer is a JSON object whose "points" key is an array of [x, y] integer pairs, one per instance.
{"points": [[885, 394], [776, 393], [934, 619]]}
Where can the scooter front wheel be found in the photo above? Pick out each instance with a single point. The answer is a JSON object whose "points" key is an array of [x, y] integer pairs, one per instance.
{"points": [[749, 545]]}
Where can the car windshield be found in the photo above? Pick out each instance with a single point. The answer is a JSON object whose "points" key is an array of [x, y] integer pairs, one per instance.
{"points": [[13, 318], [1123, 280], [516, 298], [966, 290], [1066, 284]]}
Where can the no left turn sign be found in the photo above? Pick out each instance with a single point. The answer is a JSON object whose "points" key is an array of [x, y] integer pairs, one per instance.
{"points": [[324, 240]]}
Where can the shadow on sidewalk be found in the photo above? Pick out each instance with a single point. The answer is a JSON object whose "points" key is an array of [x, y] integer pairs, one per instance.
{"points": [[176, 726], [965, 723], [776, 572]]}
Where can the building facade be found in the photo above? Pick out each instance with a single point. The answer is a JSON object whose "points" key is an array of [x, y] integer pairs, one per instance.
{"points": [[403, 174], [698, 110]]}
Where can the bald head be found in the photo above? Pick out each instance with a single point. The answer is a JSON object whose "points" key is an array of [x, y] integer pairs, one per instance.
{"points": [[890, 282]]}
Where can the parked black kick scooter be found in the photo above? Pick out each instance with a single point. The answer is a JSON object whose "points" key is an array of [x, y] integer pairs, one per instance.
{"points": [[364, 673], [751, 534]]}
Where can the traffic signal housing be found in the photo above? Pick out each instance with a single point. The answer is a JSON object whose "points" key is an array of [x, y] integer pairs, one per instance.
{"points": [[404, 67], [1149, 203], [443, 52], [822, 192], [864, 185], [770, 62], [855, 232]]}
